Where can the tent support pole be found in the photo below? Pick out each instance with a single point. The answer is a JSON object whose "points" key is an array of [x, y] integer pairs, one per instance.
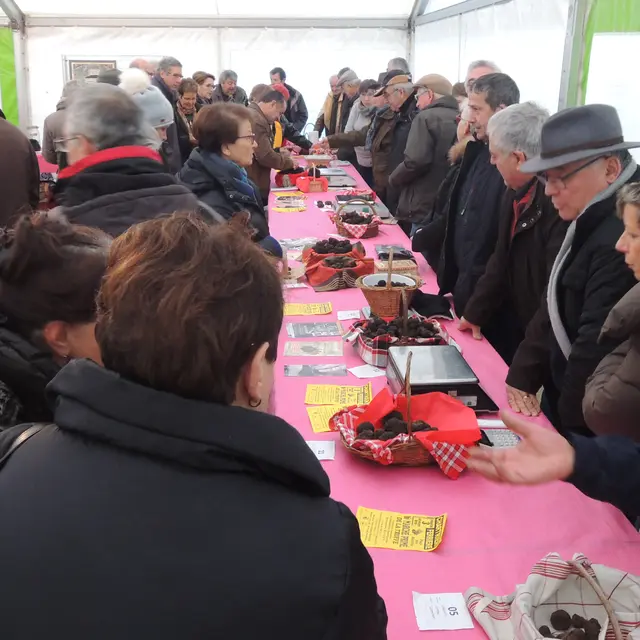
{"points": [[573, 53]]}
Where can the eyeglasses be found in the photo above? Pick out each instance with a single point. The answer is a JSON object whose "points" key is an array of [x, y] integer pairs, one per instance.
{"points": [[561, 181], [251, 136], [62, 144]]}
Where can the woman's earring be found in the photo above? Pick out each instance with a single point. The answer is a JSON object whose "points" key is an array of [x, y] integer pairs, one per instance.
{"points": [[255, 404]]}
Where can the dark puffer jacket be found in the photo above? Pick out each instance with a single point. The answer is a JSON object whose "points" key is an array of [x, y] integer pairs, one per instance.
{"points": [[425, 164], [25, 371], [611, 402], [223, 186], [297, 113], [154, 516], [117, 188]]}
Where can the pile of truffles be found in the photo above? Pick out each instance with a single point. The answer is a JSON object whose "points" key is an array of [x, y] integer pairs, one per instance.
{"points": [[393, 424], [383, 283], [353, 217], [340, 262], [416, 328], [332, 245], [571, 627]]}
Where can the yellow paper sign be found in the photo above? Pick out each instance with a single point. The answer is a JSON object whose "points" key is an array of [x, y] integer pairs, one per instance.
{"points": [[315, 309], [320, 416], [400, 531], [337, 395]]}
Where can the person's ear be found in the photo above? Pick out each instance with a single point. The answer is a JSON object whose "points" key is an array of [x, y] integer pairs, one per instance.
{"points": [[225, 150], [614, 168], [520, 158], [255, 375], [56, 335]]}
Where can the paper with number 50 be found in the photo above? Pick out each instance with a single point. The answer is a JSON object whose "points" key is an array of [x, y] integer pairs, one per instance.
{"points": [[441, 611]]}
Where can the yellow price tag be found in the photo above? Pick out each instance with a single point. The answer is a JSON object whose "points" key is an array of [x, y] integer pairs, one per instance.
{"points": [[320, 416], [337, 395], [314, 309], [400, 531]]}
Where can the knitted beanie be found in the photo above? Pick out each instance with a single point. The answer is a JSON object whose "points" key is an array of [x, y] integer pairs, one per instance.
{"points": [[157, 110]]}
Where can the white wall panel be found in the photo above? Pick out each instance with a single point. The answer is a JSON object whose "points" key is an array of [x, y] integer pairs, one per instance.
{"points": [[197, 49], [524, 37]]}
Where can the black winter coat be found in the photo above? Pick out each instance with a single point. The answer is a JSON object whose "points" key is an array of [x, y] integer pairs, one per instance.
{"points": [[218, 183], [172, 145], [476, 230], [154, 516], [593, 279], [517, 273], [117, 188], [297, 113], [25, 371], [425, 163]]}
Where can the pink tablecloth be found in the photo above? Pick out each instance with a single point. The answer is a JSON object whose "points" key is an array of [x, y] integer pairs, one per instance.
{"points": [[494, 533]]}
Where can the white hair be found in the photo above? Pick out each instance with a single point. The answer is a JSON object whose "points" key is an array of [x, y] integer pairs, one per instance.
{"points": [[228, 75], [407, 87], [518, 128], [478, 64]]}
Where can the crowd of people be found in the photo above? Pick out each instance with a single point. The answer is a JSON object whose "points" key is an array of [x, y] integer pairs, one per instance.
{"points": [[140, 310]]}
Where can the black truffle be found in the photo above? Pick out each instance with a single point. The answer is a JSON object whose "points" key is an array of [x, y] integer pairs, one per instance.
{"points": [[560, 620], [390, 416], [545, 632], [575, 634], [387, 435], [396, 426], [592, 629], [365, 426], [378, 433], [577, 621]]}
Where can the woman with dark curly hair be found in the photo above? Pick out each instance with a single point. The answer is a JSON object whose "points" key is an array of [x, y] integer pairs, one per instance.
{"points": [[167, 502]]}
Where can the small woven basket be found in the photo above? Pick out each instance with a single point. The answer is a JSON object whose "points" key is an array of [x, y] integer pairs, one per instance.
{"points": [[405, 454], [372, 229], [387, 302]]}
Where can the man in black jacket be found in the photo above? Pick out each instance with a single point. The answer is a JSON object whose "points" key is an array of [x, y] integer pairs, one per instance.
{"points": [[296, 113], [114, 179], [475, 202], [584, 161], [168, 79], [509, 294], [425, 164]]}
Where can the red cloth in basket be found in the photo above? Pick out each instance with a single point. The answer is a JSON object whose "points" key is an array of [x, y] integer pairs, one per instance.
{"points": [[457, 424], [324, 278]]}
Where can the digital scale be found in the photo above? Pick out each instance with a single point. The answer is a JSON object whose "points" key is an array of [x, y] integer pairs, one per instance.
{"points": [[438, 368]]}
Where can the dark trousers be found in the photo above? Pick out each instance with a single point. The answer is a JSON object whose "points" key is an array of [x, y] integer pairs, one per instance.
{"points": [[406, 226], [367, 174]]}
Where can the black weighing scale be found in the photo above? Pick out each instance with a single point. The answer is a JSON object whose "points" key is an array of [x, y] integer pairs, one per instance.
{"points": [[438, 368]]}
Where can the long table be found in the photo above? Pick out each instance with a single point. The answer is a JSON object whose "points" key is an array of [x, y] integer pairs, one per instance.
{"points": [[494, 533]]}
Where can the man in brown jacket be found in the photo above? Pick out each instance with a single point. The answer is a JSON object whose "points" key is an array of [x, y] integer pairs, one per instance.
{"points": [[509, 294], [268, 110], [53, 127], [19, 174]]}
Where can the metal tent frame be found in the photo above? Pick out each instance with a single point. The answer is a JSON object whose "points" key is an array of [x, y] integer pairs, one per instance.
{"points": [[419, 15]]}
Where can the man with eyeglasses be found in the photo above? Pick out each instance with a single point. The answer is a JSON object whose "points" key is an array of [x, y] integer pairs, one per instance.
{"points": [[168, 78], [583, 163]]}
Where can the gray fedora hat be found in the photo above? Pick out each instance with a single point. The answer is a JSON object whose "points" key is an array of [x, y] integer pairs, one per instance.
{"points": [[577, 134]]}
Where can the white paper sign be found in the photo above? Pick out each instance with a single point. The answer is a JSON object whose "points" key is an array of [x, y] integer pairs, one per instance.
{"points": [[295, 285], [441, 611], [324, 449], [349, 315], [367, 371]]}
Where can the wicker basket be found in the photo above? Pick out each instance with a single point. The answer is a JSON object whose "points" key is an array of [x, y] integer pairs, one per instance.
{"points": [[405, 454], [372, 229]]}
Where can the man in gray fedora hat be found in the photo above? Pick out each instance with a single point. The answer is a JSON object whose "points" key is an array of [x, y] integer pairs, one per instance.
{"points": [[584, 161]]}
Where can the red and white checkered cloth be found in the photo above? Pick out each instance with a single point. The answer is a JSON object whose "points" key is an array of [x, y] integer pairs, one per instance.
{"points": [[555, 584], [450, 458], [358, 230], [375, 351]]}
